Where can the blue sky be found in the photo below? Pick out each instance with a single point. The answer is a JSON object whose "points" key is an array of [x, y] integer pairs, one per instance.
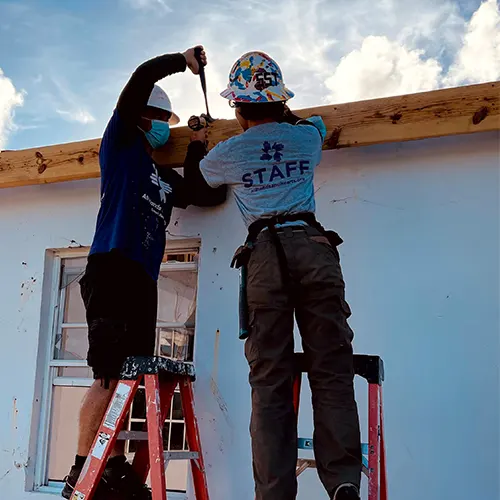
{"points": [[63, 63]]}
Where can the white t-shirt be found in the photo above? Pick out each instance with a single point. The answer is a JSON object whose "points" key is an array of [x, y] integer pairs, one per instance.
{"points": [[270, 168]]}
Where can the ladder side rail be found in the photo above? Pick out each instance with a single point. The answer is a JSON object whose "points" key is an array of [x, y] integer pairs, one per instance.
{"points": [[105, 439]]}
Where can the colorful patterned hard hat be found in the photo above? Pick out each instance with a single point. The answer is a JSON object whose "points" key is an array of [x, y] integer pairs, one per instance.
{"points": [[255, 77], [159, 99]]}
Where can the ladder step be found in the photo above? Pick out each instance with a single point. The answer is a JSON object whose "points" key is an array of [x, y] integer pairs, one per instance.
{"points": [[181, 455], [305, 443], [133, 436], [309, 463], [169, 455]]}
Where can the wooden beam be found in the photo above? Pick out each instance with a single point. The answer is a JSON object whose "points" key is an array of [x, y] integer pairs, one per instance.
{"points": [[461, 110]]}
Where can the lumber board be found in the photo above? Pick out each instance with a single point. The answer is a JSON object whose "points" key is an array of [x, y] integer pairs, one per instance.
{"points": [[460, 110]]}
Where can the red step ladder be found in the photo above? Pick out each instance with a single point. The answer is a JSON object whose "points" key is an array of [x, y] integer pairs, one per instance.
{"points": [[371, 368], [161, 377]]}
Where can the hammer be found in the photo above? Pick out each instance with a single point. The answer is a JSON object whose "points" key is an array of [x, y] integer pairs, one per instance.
{"points": [[198, 122]]}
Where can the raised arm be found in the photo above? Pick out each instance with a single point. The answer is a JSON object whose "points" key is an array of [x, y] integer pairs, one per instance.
{"points": [[135, 95], [315, 121]]}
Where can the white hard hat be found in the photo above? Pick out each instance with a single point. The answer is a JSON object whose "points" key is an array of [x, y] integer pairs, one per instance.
{"points": [[159, 99]]}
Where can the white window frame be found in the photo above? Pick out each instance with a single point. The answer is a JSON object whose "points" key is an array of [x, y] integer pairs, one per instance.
{"points": [[48, 368]]}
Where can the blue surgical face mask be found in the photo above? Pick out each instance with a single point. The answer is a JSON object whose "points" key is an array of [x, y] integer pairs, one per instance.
{"points": [[159, 133]]}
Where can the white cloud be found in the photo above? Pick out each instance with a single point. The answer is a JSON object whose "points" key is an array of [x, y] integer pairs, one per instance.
{"points": [[149, 4], [382, 68], [10, 98], [357, 50], [479, 58], [77, 115], [329, 51]]}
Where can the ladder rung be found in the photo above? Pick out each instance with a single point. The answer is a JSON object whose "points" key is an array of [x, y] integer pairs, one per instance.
{"points": [[181, 455], [309, 463], [169, 455], [305, 444], [133, 436]]}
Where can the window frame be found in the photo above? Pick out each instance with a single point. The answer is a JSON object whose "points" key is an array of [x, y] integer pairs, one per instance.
{"points": [[54, 297]]}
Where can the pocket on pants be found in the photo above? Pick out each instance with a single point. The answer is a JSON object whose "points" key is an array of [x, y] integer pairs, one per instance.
{"points": [[251, 343], [344, 306], [324, 247]]}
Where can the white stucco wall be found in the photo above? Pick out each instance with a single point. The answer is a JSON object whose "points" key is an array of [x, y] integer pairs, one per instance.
{"points": [[421, 261]]}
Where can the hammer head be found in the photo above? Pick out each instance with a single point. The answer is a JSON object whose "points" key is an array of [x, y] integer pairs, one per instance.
{"points": [[198, 122], [208, 118]]}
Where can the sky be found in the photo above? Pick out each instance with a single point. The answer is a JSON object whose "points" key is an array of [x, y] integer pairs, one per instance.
{"points": [[64, 63]]}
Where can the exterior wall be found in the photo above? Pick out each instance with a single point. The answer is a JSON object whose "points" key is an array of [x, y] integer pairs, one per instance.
{"points": [[421, 228]]}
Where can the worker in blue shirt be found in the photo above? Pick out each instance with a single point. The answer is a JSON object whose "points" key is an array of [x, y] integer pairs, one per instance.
{"points": [[293, 268], [119, 287]]}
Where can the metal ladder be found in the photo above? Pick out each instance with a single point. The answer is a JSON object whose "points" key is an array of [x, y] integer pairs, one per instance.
{"points": [[371, 368], [161, 377]]}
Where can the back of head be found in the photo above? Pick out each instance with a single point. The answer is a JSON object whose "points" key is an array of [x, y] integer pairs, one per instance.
{"points": [[260, 112]]}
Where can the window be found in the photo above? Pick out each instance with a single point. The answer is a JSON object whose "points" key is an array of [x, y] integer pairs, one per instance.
{"points": [[67, 376]]}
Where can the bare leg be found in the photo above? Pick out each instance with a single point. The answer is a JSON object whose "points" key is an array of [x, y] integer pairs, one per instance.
{"points": [[94, 406]]}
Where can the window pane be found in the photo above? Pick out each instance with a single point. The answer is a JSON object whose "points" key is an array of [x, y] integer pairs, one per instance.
{"points": [[165, 343], [74, 310], [177, 437], [166, 430], [176, 343], [75, 263], [139, 404], [135, 426], [64, 430], [180, 257], [177, 297], [75, 372], [177, 407], [72, 344]]}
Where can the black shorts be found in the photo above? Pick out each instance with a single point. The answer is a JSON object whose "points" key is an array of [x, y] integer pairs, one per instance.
{"points": [[121, 306]]}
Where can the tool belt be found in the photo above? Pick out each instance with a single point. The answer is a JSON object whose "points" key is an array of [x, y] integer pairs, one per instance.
{"points": [[243, 253]]}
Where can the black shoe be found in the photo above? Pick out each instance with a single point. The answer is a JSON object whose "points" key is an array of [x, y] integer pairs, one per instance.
{"points": [[346, 491], [121, 478], [102, 492]]}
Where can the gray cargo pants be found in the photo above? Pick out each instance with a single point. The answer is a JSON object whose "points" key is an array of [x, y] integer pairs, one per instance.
{"points": [[316, 295]]}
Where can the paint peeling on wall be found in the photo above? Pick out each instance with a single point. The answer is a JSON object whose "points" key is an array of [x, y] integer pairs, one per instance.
{"points": [[27, 289], [19, 457]]}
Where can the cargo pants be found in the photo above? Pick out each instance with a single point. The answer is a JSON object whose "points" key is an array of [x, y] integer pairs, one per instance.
{"points": [[315, 294]]}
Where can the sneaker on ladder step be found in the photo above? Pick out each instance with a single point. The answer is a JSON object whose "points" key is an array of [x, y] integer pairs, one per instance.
{"points": [[346, 491]]}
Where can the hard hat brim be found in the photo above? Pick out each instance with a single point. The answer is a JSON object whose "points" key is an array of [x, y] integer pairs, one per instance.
{"points": [[174, 119], [284, 95]]}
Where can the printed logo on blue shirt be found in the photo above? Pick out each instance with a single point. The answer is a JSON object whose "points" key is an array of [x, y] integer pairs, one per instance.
{"points": [[165, 188]]}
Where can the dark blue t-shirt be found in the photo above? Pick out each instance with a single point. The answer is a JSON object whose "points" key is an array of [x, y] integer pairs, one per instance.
{"points": [[136, 203]]}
